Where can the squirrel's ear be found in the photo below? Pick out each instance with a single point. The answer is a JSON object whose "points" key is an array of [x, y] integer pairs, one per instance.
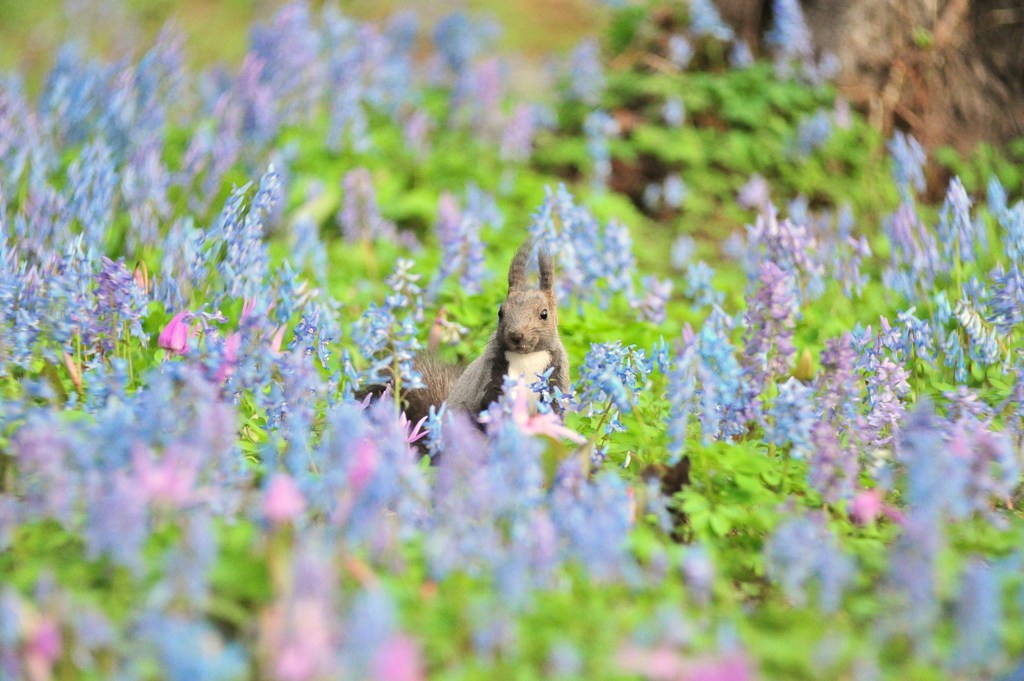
{"points": [[517, 270], [547, 270]]}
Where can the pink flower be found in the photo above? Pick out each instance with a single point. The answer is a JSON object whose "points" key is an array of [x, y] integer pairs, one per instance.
{"points": [[45, 643], [283, 502], [248, 305], [231, 345], [293, 664], [666, 664], [176, 334], [298, 635], [866, 506], [732, 667], [398, 659], [277, 339], [657, 664], [417, 433], [168, 481], [539, 424], [364, 464]]}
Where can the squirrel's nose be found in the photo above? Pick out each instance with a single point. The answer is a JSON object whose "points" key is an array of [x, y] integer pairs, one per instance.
{"points": [[515, 336]]}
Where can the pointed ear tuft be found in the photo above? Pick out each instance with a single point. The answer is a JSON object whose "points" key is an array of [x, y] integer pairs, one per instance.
{"points": [[517, 269], [547, 270]]}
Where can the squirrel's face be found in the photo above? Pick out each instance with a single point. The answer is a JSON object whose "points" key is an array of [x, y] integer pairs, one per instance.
{"points": [[527, 321]]}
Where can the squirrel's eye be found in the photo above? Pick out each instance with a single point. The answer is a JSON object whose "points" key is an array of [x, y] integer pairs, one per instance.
{"points": [[543, 314], [501, 311]]}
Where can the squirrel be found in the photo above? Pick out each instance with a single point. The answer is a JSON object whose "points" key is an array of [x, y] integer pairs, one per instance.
{"points": [[524, 344]]}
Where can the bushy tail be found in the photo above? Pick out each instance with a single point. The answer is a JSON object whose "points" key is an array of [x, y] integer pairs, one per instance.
{"points": [[438, 375]]}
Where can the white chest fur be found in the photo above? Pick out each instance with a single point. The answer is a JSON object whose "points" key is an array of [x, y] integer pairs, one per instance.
{"points": [[527, 365]]}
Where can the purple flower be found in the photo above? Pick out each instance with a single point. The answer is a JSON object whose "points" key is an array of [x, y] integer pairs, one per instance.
{"points": [[983, 345], [120, 304], [1012, 222], [991, 465], [1007, 301], [699, 573], [674, 191], [803, 550], [517, 137], [813, 132], [459, 39], [789, 34], [741, 57], [316, 331], [936, 479], [838, 386], [683, 249], [386, 334], [117, 522], [705, 21], [887, 386], [908, 164], [755, 194], [789, 245], [586, 73], [656, 296], [956, 231], [359, 216], [911, 582], [416, 132], [594, 262], [791, 417], [914, 253], [916, 335], [681, 391], [679, 50], [833, 467], [245, 267], [770, 318], [674, 112], [978, 614], [599, 127], [461, 245]]}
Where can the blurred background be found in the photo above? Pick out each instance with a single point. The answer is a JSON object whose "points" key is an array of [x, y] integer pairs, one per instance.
{"points": [[950, 71], [217, 30]]}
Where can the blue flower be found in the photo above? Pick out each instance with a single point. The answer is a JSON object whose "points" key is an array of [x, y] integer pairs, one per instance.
{"points": [[978, 614], [803, 551], [360, 217], [674, 112], [594, 262], [586, 73], [610, 377], [956, 231], [791, 416], [679, 50], [908, 164], [789, 34], [598, 127], [705, 21]]}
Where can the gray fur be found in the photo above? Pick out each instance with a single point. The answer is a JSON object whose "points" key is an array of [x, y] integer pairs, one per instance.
{"points": [[517, 268], [527, 322], [440, 378]]}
